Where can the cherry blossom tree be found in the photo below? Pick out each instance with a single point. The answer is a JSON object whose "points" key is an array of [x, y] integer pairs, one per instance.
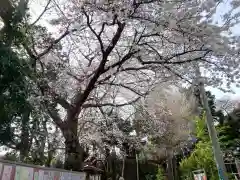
{"points": [[112, 53], [166, 118]]}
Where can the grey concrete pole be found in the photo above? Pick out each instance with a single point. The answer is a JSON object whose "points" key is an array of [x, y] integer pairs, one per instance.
{"points": [[211, 129]]}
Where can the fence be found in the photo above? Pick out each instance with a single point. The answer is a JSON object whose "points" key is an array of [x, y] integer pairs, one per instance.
{"points": [[234, 169], [20, 171]]}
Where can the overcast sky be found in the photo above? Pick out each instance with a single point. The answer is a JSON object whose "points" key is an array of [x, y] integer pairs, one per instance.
{"points": [[224, 7]]}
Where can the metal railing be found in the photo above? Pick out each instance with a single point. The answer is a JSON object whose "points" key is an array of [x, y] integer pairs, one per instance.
{"points": [[234, 169]]}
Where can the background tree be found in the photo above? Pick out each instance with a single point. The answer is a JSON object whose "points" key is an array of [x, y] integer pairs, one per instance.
{"points": [[201, 156], [166, 122], [15, 90], [229, 135], [21, 116]]}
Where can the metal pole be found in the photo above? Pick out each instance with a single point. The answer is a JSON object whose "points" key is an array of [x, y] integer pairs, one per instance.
{"points": [[211, 128], [137, 166]]}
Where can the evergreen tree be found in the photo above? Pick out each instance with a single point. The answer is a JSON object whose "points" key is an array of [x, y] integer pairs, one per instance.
{"points": [[229, 135]]}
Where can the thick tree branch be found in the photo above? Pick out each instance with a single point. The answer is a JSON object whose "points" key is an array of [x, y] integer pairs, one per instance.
{"points": [[54, 115], [125, 69], [46, 89], [54, 43], [177, 74], [144, 2], [29, 52], [98, 36], [122, 61], [124, 86], [63, 102], [114, 39], [50, 47], [111, 104], [136, 68], [82, 97], [167, 60]]}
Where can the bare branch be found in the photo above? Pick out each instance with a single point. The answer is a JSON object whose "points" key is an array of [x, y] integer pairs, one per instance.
{"points": [[114, 39], [167, 60], [36, 57], [60, 100], [44, 10], [145, 2], [54, 43], [81, 97], [109, 24], [75, 77], [29, 51], [122, 61], [98, 36], [54, 115], [136, 68], [111, 104], [124, 86], [177, 74]]}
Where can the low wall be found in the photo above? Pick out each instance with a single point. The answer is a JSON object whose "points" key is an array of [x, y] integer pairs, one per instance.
{"points": [[20, 171]]}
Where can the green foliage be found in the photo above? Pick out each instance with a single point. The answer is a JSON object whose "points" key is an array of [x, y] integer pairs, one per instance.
{"points": [[228, 128], [57, 163], [149, 177], [231, 177], [14, 79], [11, 156], [201, 130], [217, 114], [15, 23], [227, 137], [13, 91], [202, 156], [160, 174]]}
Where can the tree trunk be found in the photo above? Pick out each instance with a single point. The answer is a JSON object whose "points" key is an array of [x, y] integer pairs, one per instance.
{"points": [[50, 156], [42, 144], [73, 150], [24, 145], [73, 155], [123, 166], [175, 168], [52, 148], [169, 168], [170, 171], [137, 166]]}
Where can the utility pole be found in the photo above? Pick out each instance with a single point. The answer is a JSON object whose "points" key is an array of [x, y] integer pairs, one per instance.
{"points": [[211, 128]]}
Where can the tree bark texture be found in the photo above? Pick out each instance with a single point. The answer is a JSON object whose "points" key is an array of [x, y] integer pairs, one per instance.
{"points": [[73, 150]]}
